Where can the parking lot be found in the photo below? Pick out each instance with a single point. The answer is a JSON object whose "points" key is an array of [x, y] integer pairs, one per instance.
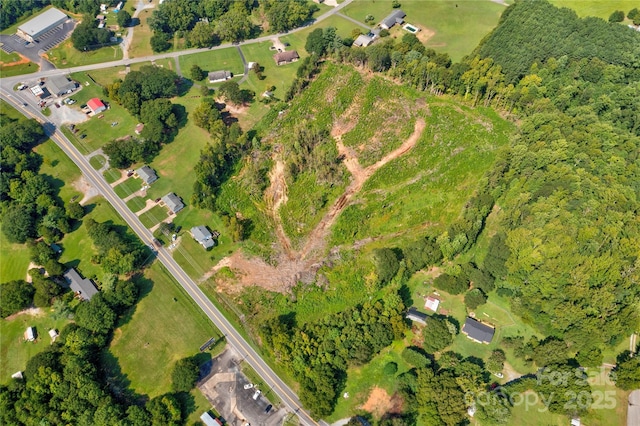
{"points": [[224, 386], [47, 41]]}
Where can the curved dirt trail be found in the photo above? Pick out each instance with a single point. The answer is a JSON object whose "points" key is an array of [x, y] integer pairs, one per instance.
{"points": [[316, 239], [275, 196]]}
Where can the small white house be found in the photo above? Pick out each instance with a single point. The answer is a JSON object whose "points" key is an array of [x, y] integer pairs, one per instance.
{"points": [[53, 334]]}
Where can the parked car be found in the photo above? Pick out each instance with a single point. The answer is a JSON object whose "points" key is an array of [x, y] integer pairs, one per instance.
{"points": [[22, 87], [247, 386], [269, 407], [257, 394], [72, 101]]}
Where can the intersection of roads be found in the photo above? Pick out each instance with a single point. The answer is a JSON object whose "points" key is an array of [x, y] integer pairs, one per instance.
{"points": [[27, 106]]}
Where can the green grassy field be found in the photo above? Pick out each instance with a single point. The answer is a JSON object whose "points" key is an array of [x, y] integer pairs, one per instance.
{"points": [[128, 187], [141, 45], [66, 56], [78, 247], [96, 128], [61, 171], [104, 76], [458, 26], [601, 9], [214, 60], [111, 175], [136, 204], [14, 260], [14, 350], [166, 325]]}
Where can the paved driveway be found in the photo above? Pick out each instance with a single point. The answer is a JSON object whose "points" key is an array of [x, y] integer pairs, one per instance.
{"points": [[13, 43]]}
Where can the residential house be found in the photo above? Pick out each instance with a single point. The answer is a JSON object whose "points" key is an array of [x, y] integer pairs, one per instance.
{"points": [[96, 106], [202, 235], [477, 331], [82, 287], [218, 76], [282, 58], [416, 316], [173, 202], [432, 303], [147, 174], [363, 41], [395, 17]]}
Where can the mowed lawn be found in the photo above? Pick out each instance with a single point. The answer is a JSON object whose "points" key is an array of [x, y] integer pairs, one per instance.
{"points": [[15, 351], [9, 69], [60, 170], [141, 42], [67, 56], [458, 25], [599, 8], [214, 60], [165, 326], [14, 260]]}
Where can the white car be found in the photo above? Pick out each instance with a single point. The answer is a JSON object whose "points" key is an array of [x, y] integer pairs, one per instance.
{"points": [[250, 385], [256, 395], [22, 87]]}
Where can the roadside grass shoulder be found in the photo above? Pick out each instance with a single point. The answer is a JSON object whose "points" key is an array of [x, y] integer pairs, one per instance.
{"points": [[458, 26], [141, 41], [67, 56], [165, 326], [97, 161], [343, 27], [103, 76], [7, 70], [15, 351], [136, 204], [111, 175]]}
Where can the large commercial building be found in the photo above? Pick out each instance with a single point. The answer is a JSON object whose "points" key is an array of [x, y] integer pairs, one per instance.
{"points": [[34, 28]]}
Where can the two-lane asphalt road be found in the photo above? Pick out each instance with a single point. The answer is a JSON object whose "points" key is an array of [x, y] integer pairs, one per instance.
{"points": [[288, 397]]}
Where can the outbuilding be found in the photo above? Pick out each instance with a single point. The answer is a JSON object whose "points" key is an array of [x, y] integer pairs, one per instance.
{"points": [[363, 41], [30, 334], [416, 316], [478, 331], [173, 202], [147, 174], [218, 76], [46, 21], [209, 420], [96, 106]]}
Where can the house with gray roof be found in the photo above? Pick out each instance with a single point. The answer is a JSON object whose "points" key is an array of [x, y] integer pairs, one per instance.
{"points": [[478, 331], [147, 174], [282, 58], [173, 202], [218, 76], [82, 287], [202, 235], [46, 21], [363, 41], [59, 85], [395, 17], [416, 316]]}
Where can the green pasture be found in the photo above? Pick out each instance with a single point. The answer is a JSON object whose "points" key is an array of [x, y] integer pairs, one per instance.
{"points": [[458, 25], [601, 9], [14, 260], [15, 351], [214, 60], [165, 326]]}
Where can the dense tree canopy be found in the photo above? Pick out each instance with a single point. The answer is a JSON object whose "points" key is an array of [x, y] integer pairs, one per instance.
{"points": [[12, 10], [87, 35]]}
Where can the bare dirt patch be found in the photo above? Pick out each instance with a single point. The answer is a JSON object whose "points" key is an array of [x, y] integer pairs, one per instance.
{"points": [[425, 34], [378, 403], [34, 312], [88, 190]]}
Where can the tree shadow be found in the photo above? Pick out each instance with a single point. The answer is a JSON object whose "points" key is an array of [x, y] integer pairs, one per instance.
{"points": [[144, 284], [184, 85], [134, 22], [405, 294], [187, 403], [117, 381]]}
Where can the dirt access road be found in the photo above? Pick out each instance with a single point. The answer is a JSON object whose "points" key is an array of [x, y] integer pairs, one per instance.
{"points": [[294, 266]]}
